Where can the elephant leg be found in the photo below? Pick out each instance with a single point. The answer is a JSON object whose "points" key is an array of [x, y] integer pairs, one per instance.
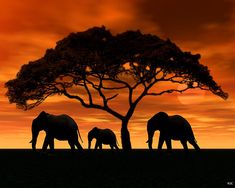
{"points": [[76, 142], [52, 144], [116, 147], [72, 146], [194, 144], [45, 143], [168, 144], [184, 143], [78, 145], [150, 140], [160, 141], [100, 146], [111, 146], [96, 145]]}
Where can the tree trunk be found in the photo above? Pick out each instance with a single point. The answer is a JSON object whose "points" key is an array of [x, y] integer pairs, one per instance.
{"points": [[125, 136]]}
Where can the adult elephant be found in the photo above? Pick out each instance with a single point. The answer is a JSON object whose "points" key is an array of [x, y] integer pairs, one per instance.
{"points": [[171, 128], [102, 136], [61, 127]]}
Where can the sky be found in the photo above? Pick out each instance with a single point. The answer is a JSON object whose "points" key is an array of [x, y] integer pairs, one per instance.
{"points": [[30, 27]]}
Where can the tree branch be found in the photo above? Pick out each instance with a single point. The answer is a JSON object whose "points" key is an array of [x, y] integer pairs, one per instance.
{"points": [[171, 91], [113, 88], [99, 88], [126, 85], [88, 92], [91, 105], [110, 98], [64, 91]]}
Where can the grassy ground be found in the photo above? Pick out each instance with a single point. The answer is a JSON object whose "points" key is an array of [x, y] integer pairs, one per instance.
{"points": [[110, 169]]}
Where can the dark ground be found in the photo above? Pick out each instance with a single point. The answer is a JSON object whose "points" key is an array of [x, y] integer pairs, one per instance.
{"points": [[110, 169]]}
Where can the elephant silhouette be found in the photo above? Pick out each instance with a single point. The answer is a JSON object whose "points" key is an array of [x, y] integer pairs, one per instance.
{"points": [[171, 128], [102, 136], [60, 127]]}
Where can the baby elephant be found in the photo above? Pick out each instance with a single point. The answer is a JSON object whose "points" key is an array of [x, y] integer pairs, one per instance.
{"points": [[102, 136]]}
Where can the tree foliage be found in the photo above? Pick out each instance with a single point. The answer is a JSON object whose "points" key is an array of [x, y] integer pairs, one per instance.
{"points": [[97, 53]]}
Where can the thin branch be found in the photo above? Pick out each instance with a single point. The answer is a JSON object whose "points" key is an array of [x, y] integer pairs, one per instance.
{"points": [[206, 89], [114, 113], [91, 105], [104, 108], [145, 90], [88, 92], [110, 98], [136, 85], [171, 91], [92, 84], [130, 96], [105, 101], [144, 93], [99, 88], [113, 88], [126, 85], [38, 102], [172, 79], [64, 91]]}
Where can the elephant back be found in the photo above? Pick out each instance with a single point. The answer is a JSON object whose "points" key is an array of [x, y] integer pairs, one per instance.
{"points": [[63, 121], [107, 132], [180, 125], [107, 136]]}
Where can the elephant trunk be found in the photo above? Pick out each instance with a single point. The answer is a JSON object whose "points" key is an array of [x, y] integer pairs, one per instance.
{"points": [[89, 144], [150, 142], [150, 136], [90, 138], [34, 140]]}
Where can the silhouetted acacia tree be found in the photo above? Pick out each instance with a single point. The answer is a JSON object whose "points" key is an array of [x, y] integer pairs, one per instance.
{"points": [[97, 62]]}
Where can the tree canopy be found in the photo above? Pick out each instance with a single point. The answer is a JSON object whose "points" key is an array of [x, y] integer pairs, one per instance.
{"points": [[97, 60], [96, 52]]}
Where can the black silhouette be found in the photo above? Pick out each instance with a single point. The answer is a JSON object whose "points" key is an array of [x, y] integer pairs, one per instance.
{"points": [[101, 64], [171, 128], [102, 136], [61, 127]]}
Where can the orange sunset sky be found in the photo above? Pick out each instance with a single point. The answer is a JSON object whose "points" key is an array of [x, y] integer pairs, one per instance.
{"points": [[29, 27]]}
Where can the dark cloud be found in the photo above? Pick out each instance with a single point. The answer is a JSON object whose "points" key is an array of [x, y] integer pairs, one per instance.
{"points": [[183, 19]]}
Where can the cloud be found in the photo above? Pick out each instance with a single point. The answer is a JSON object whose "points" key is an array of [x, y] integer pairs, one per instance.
{"points": [[29, 28], [186, 20], [62, 16]]}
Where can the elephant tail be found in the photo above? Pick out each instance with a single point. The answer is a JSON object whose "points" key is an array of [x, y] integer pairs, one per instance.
{"points": [[79, 135]]}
